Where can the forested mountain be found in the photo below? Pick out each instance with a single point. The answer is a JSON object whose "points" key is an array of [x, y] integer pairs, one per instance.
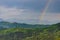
{"points": [[46, 33], [4, 24]]}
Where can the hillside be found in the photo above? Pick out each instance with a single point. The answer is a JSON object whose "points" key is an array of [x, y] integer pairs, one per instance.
{"points": [[4, 24], [48, 33]]}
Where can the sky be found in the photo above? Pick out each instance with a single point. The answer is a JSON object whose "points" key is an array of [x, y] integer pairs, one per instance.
{"points": [[29, 11]]}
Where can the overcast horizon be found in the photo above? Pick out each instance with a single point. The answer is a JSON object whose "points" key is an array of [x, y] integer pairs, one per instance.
{"points": [[29, 11]]}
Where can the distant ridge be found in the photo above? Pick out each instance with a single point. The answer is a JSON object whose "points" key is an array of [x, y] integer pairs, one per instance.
{"points": [[5, 24]]}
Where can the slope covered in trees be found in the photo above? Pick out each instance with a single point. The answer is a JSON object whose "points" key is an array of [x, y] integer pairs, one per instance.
{"points": [[46, 33]]}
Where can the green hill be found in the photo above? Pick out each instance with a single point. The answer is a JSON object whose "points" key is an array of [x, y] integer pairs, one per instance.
{"points": [[47, 33]]}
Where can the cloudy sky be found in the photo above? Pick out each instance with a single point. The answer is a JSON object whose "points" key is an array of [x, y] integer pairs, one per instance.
{"points": [[29, 11]]}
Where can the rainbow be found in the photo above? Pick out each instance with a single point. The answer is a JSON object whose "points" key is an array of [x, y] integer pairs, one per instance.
{"points": [[44, 11]]}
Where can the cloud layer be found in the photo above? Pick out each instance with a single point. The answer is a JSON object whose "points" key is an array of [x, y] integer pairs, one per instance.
{"points": [[29, 11], [18, 15]]}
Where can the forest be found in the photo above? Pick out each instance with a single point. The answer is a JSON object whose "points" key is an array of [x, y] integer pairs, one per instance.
{"points": [[51, 32]]}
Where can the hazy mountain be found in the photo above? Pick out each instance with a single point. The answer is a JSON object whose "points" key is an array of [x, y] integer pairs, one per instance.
{"points": [[22, 25]]}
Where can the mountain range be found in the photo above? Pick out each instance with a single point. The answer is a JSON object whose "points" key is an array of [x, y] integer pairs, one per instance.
{"points": [[22, 31], [4, 24], [18, 33]]}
